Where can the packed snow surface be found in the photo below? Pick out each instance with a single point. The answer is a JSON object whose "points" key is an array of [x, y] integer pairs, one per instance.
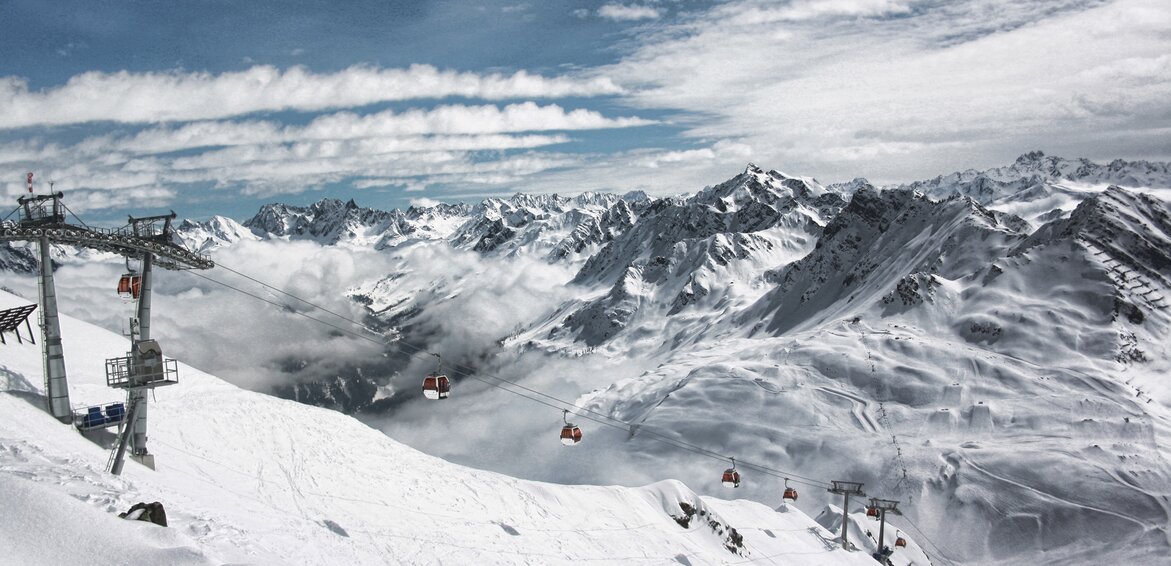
{"points": [[988, 347], [248, 478]]}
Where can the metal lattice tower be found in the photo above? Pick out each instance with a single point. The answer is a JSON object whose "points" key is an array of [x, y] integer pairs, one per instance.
{"points": [[42, 218]]}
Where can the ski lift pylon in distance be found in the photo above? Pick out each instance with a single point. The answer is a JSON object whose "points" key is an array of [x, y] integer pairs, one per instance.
{"points": [[570, 433], [790, 495], [436, 385], [731, 477]]}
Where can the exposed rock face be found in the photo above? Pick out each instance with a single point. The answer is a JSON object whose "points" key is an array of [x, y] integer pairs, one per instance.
{"points": [[211, 234], [683, 252], [149, 512], [1129, 233], [17, 259], [879, 239], [331, 221]]}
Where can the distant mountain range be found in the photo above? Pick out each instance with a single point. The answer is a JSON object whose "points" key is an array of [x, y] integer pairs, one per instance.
{"points": [[989, 347]]}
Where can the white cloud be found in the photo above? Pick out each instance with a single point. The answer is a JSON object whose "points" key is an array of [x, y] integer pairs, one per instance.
{"points": [[473, 122], [424, 202], [628, 13], [522, 117], [799, 10], [839, 89], [121, 198], [162, 97], [890, 89], [413, 147]]}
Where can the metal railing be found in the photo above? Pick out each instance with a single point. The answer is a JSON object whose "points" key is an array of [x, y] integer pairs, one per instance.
{"points": [[125, 373]]}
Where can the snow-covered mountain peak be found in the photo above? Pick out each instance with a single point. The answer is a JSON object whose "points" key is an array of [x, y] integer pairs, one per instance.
{"points": [[849, 187], [878, 239], [332, 221], [216, 232], [756, 187], [1129, 230], [1036, 183]]}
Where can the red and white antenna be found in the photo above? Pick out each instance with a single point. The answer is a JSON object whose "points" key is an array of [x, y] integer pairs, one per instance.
{"points": [[30, 182]]}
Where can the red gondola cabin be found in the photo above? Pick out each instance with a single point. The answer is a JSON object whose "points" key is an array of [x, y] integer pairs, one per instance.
{"points": [[872, 512], [790, 495], [436, 386], [731, 478], [130, 286], [570, 434]]}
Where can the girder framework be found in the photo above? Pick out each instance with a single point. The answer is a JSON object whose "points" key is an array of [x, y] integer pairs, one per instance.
{"points": [[121, 241], [43, 219]]}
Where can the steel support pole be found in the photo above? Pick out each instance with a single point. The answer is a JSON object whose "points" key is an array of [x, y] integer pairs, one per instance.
{"points": [[120, 455], [144, 297], [56, 385], [881, 529], [138, 396], [845, 519]]}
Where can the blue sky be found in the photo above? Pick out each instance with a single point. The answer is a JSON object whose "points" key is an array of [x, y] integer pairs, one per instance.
{"points": [[211, 107]]}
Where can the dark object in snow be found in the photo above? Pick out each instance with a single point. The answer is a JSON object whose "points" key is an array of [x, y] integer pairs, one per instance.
{"points": [[149, 512], [335, 528]]}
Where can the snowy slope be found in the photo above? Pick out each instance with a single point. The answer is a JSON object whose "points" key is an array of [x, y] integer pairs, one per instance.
{"points": [[688, 261], [550, 226], [1005, 379], [331, 221], [1039, 187], [209, 235], [877, 242], [1007, 384], [1012, 386], [248, 478]]}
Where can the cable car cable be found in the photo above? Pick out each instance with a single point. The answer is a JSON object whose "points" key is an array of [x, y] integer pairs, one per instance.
{"points": [[939, 553], [557, 403], [286, 309], [288, 294], [608, 420]]}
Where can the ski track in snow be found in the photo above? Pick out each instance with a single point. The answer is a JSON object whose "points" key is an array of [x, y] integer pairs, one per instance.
{"points": [[1007, 351], [250, 479]]}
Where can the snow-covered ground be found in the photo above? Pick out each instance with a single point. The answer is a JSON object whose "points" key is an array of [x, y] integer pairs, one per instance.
{"points": [[248, 478], [1005, 379]]}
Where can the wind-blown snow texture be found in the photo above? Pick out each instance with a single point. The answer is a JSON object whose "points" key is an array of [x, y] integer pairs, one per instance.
{"points": [[987, 347], [248, 478]]}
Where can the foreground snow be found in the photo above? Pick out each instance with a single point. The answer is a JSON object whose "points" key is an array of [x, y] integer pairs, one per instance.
{"points": [[250, 478]]}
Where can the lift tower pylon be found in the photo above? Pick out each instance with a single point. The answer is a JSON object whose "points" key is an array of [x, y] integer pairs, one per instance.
{"points": [[39, 214], [846, 489], [42, 219], [884, 506]]}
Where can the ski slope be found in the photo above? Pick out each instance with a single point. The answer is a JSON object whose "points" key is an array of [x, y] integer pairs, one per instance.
{"points": [[248, 478]]}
